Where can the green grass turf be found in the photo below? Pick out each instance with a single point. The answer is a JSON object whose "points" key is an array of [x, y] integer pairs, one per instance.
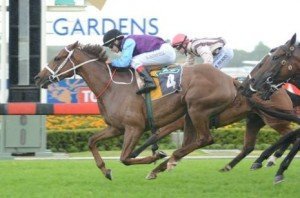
{"points": [[191, 178], [148, 152]]}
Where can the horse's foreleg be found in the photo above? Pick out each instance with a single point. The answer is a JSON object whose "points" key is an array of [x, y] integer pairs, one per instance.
{"points": [[287, 139], [286, 162], [105, 134], [282, 127], [277, 154], [253, 124]]}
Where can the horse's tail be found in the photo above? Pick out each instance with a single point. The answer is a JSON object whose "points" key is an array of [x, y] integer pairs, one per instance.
{"points": [[292, 117]]}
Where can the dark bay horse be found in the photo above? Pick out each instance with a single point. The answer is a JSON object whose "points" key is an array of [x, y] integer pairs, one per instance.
{"points": [[283, 65], [206, 92], [248, 91]]}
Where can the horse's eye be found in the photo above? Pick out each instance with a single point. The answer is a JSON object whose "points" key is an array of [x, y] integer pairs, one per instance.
{"points": [[56, 59], [275, 57]]}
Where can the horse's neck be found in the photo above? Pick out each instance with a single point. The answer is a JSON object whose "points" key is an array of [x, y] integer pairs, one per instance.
{"points": [[101, 82]]}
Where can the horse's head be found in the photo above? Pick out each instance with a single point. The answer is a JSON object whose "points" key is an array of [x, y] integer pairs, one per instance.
{"points": [[58, 68], [246, 87], [281, 65], [68, 62]]}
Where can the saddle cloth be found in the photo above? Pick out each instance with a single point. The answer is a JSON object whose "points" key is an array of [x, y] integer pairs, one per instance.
{"points": [[167, 80]]}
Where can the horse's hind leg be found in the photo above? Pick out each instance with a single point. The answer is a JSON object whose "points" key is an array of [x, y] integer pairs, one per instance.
{"points": [[105, 134], [286, 162], [287, 139], [161, 133], [189, 145], [200, 125], [131, 138], [253, 124], [189, 136]]}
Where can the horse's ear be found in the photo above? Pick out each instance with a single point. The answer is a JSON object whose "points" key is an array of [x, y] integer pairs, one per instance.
{"points": [[293, 39], [75, 45]]}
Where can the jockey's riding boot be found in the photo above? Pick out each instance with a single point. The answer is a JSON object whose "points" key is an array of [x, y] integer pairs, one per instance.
{"points": [[149, 82]]}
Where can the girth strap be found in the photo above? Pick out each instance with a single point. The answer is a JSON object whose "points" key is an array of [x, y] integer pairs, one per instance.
{"points": [[150, 119]]}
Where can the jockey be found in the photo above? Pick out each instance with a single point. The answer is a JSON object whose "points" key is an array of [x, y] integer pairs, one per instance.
{"points": [[139, 51], [211, 50]]}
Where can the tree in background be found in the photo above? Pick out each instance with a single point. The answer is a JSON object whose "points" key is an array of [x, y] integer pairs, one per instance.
{"points": [[257, 54]]}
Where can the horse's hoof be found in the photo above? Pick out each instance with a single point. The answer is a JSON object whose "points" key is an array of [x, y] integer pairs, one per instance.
{"points": [[225, 169], [270, 163], [151, 175], [278, 179], [171, 165], [161, 154], [256, 166], [108, 174]]}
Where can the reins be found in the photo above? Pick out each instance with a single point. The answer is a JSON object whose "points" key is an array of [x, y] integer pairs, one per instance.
{"points": [[111, 74], [269, 81], [56, 74], [107, 85]]}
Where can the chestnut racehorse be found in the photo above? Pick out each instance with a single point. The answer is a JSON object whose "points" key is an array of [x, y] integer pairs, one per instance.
{"points": [[205, 92], [238, 110]]}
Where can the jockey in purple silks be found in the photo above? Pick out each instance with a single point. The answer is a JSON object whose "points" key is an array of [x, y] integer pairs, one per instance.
{"points": [[139, 51]]}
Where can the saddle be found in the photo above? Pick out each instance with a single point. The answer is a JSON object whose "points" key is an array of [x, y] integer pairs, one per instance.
{"points": [[167, 80]]}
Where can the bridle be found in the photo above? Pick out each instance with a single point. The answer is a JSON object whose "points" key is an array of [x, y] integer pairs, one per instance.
{"points": [[56, 74], [281, 63]]}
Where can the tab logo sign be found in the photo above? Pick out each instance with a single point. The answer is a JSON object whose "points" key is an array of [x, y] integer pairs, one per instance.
{"points": [[85, 95]]}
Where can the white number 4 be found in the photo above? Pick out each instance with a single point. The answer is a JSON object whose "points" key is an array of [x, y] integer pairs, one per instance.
{"points": [[171, 82]]}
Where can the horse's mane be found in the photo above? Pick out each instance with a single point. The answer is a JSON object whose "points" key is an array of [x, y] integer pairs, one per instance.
{"points": [[97, 51]]}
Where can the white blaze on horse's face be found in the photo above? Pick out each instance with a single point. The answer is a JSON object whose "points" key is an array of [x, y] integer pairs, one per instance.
{"points": [[55, 73], [62, 71]]}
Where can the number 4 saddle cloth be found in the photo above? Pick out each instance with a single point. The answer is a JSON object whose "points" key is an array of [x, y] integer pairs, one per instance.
{"points": [[167, 80]]}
